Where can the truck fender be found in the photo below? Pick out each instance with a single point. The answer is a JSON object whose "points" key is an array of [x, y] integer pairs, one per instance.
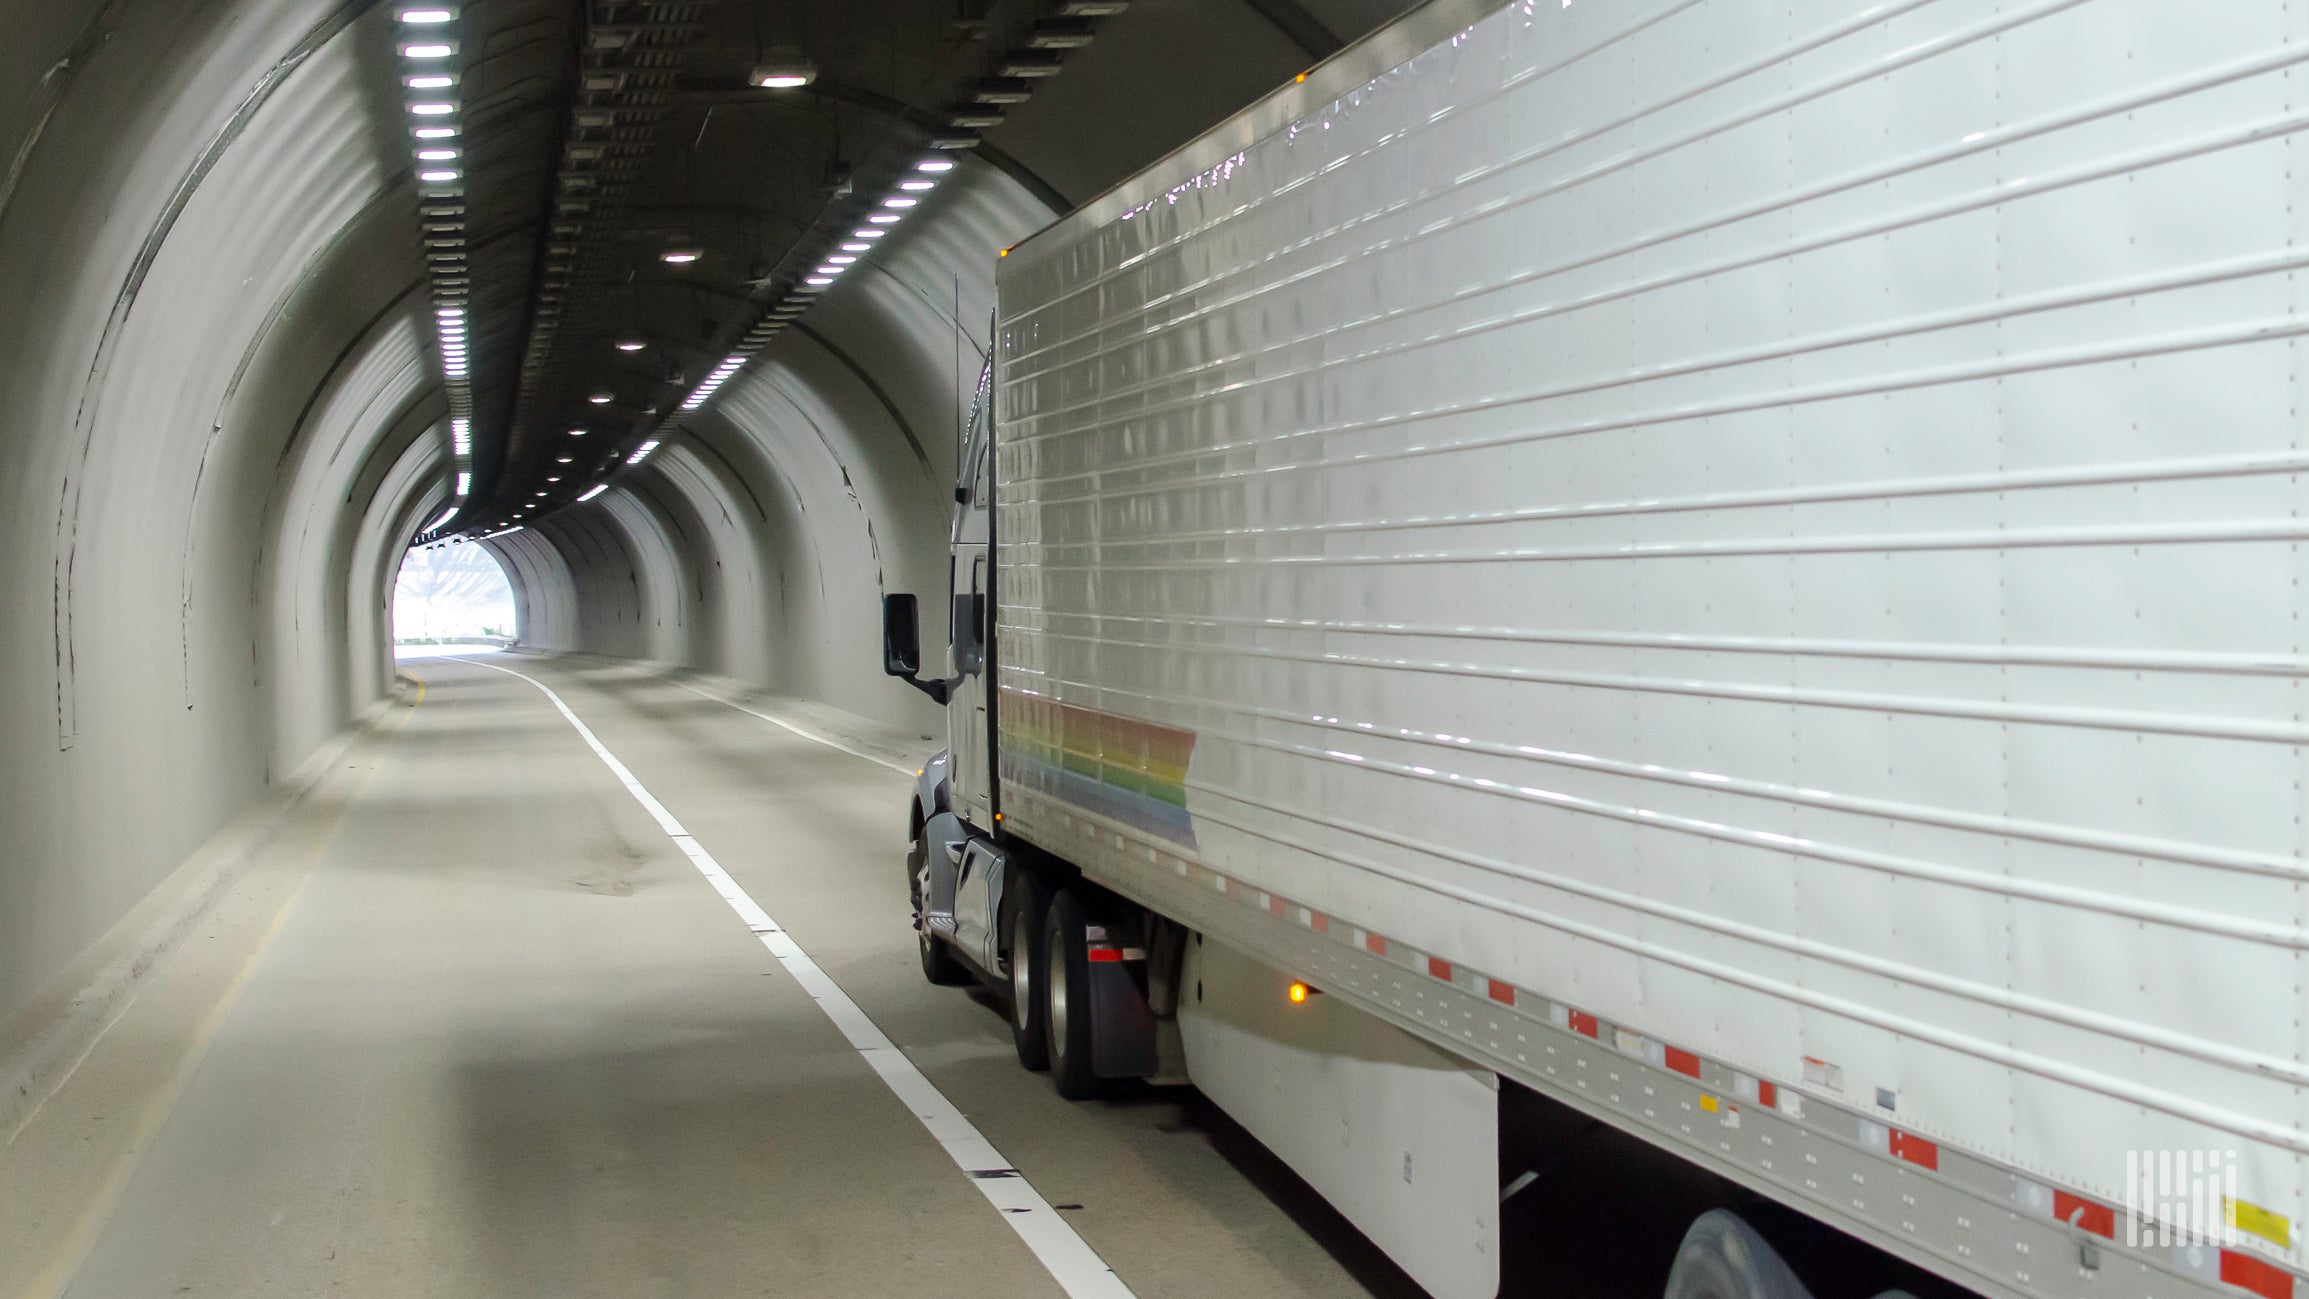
{"points": [[931, 790]]}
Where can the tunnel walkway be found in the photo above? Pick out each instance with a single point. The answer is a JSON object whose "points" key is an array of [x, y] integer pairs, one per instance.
{"points": [[474, 1026]]}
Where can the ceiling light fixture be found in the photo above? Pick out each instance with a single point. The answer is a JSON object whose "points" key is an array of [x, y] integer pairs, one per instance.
{"points": [[425, 17], [1003, 90], [1029, 63], [1060, 34], [678, 256], [593, 491], [432, 108], [602, 398], [428, 51], [935, 164], [630, 344], [783, 76]]}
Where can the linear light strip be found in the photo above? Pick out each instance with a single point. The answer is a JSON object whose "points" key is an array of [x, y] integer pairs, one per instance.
{"points": [[426, 43], [915, 184], [1070, 28]]}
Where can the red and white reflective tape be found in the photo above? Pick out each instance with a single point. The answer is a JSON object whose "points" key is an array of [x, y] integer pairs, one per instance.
{"points": [[2245, 1271]]}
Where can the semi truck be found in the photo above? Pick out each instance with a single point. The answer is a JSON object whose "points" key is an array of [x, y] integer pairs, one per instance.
{"points": [[1734, 565]]}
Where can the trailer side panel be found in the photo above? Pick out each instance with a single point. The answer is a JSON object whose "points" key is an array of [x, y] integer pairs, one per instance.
{"points": [[1757, 540]]}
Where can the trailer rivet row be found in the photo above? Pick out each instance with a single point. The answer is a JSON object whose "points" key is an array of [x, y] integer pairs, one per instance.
{"points": [[1918, 1196]]}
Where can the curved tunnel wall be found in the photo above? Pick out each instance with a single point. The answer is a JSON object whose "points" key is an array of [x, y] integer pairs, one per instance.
{"points": [[225, 425], [220, 432]]}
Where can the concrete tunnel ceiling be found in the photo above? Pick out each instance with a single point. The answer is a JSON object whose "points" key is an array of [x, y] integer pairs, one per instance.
{"points": [[229, 407]]}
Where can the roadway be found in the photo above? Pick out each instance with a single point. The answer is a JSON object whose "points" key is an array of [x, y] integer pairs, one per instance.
{"points": [[474, 1024]]}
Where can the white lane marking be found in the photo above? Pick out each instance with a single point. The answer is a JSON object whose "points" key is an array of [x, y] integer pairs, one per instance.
{"points": [[899, 767], [1071, 1262]]}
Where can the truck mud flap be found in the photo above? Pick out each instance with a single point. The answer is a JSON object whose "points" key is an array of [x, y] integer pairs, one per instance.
{"points": [[1123, 1037]]}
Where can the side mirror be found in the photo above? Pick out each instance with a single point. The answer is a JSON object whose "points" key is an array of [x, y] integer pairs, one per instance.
{"points": [[901, 636]]}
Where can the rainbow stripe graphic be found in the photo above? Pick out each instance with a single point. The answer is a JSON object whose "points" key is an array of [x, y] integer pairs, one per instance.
{"points": [[1122, 768]]}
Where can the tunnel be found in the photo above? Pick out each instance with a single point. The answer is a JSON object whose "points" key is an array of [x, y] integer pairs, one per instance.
{"points": [[1770, 531], [230, 258]]}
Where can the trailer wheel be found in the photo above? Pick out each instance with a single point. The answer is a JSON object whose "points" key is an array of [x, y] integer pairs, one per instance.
{"points": [[938, 963], [1723, 1258], [1029, 1013], [1065, 989]]}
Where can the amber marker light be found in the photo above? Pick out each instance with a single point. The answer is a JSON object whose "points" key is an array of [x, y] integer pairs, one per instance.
{"points": [[1299, 992]]}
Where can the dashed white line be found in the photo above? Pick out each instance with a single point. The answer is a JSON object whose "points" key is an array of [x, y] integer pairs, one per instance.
{"points": [[1071, 1262]]}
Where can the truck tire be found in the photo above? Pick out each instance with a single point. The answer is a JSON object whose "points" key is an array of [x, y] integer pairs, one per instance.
{"points": [[939, 965], [1029, 1013], [1723, 1258], [1065, 990]]}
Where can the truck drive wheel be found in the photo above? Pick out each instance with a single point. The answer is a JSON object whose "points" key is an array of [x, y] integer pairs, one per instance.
{"points": [[1066, 991], [1723, 1258], [1029, 1013], [938, 963]]}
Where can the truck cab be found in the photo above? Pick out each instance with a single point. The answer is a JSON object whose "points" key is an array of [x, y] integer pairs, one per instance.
{"points": [[953, 865]]}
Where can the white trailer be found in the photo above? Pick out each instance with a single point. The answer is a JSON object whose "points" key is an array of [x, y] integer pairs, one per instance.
{"points": [[1736, 564]]}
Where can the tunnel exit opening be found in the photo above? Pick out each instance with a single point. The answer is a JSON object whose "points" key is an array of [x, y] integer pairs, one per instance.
{"points": [[451, 594]]}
